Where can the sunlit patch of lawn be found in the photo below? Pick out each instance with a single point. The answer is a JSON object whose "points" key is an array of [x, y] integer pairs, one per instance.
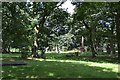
{"points": [[60, 68], [87, 56], [40, 68], [109, 66], [9, 55]]}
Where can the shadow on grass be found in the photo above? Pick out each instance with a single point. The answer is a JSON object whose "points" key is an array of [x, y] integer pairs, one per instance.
{"points": [[53, 69], [10, 55], [62, 56], [11, 59], [100, 59]]}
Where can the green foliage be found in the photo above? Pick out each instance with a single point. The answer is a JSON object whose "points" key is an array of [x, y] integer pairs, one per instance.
{"points": [[19, 20], [98, 23], [56, 27]]}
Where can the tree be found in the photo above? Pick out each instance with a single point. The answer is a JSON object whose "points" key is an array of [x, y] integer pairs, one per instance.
{"points": [[44, 27], [87, 13], [117, 20], [99, 23], [29, 23], [14, 26]]}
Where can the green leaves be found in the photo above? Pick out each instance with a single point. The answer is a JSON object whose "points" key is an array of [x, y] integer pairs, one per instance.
{"points": [[19, 20]]}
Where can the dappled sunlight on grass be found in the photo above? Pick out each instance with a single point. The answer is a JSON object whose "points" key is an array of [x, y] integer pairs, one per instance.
{"points": [[32, 76], [82, 57], [113, 67], [108, 66], [63, 51], [51, 68], [51, 74], [61, 68], [10, 55]]}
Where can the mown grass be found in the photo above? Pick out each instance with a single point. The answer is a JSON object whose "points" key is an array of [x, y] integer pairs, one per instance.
{"points": [[57, 65], [104, 58]]}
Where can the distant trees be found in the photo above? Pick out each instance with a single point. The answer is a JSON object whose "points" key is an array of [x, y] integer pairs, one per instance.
{"points": [[30, 24], [116, 13], [97, 21], [14, 26], [87, 15], [34, 25]]}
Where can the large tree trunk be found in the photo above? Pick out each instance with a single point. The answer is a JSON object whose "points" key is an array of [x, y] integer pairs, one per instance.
{"points": [[82, 42], [112, 44], [92, 39], [36, 33], [82, 48], [6, 49], [57, 48], [46, 49], [117, 20], [93, 48], [34, 51], [108, 49], [35, 46]]}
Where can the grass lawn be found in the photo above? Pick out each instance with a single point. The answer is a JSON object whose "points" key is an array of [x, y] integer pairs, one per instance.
{"points": [[56, 65]]}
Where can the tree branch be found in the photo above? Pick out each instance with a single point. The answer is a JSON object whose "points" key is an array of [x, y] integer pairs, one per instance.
{"points": [[86, 25]]}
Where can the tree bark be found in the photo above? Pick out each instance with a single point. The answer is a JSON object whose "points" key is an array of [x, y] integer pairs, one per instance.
{"points": [[37, 31], [82, 42], [117, 20], [34, 51], [108, 49], [92, 39], [82, 49], [35, 46], [93, 49], [57, 48], [6, 49], [112, 44]]}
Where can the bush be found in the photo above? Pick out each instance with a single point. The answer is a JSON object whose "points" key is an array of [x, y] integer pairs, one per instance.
{"points": [[24, 55]]}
